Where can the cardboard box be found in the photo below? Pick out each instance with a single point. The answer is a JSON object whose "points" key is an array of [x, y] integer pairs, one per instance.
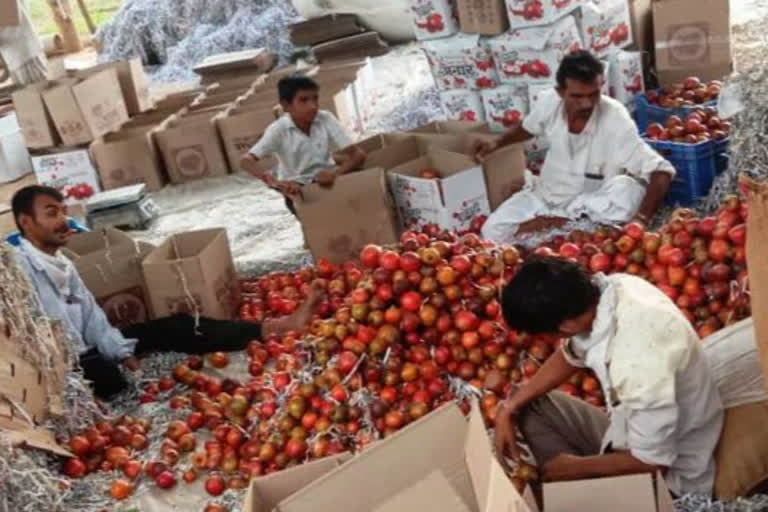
{"points": [[433, 19], [532, 55], [129, 157], [14, 157], [462, 105], [339, 221], [534, 13], [265, 493], [133, 83], [10, 16], [505, 106], [439, 454], [641, 13], [191, 272], [109, 262], [241, 129], [625, 77], [85, 110], [70, 171], [461, 62], [693, 38], [451, 202], [607, 25], [757, 241], [486, 17], [191, 148], [35, 121]]}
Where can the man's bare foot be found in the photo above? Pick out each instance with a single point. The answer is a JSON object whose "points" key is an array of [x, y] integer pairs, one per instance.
{"points": [[298, 320]]}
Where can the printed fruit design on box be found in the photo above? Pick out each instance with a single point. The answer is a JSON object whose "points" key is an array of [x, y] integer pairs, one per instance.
{"points": [[561, 4], [427, 19], [635, 86], [528, 9], [604, 35], [518, 66], [78, 192], [463, 105]]}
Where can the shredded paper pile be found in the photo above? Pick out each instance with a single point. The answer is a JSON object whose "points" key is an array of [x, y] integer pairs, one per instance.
{"points": [[176, 35]]}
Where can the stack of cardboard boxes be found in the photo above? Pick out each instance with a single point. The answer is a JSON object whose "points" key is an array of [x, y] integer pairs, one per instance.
{"points": [[337, 37]]}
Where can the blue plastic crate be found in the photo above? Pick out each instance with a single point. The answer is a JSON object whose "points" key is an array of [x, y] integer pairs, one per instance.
{"points": [[695, 166], [721, 155], [647, 113]]}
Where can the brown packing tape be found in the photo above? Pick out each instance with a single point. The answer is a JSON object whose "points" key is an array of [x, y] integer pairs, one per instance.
{"points": [[757, 248]]}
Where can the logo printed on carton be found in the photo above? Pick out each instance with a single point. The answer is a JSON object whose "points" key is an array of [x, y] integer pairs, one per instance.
{"points": [[125, 308], [226, 290], [688, 43], [463, 105], [191, 161], [245, 142], [433, 18]]}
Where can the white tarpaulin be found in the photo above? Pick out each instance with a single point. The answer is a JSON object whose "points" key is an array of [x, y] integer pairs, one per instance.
{"points": [[392, 18]]}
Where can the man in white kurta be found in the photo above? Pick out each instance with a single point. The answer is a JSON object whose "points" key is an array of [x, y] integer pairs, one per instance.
{"points": [[597, 167], [664, 411]]}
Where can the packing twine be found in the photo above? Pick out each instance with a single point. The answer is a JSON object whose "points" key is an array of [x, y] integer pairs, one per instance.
{"points": [[190, 299]]}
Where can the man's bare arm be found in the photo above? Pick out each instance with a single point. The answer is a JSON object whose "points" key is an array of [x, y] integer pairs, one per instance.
{"points": [[352, 162], [514, 135], [654, 195], [252, 165], [571, 467]]}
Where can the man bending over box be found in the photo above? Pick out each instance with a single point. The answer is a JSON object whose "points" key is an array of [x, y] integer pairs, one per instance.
{"points": [[41, 217], [301, 140]]}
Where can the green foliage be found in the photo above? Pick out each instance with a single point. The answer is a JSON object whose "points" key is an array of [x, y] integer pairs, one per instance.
{"points": [[42, 16]]}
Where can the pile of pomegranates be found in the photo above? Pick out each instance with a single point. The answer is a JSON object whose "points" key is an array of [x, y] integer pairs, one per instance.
{"points": [[700, 125], [400, 332], [692, 91]]}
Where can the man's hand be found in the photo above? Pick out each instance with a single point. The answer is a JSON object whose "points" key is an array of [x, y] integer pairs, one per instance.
{"points": [[326, 178], [505, 438], [131, 363], [481, 148], [291, 189]]}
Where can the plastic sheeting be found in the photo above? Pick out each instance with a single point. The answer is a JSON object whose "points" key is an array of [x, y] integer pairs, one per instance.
{"points": [[390, 18]]}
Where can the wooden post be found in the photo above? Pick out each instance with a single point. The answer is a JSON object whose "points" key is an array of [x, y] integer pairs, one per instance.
{"points": [[62, 15], [87, 16]]}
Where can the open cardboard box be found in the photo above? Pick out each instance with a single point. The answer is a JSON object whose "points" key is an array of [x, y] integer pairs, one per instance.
{"points": [[504, 170], [339, 221], [192, 271], [264, 493], [445, 463], [129, 157], [35, 121], [191, 148], [438, 457], [109, 262], [84, 110], [452, 201]]}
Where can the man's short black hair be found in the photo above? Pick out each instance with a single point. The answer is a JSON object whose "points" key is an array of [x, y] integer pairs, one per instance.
{"points": [[289, 86], [23, 202], [581, 66], [544, 293]]}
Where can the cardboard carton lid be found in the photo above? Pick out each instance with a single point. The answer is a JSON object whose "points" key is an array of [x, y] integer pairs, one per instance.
{"points": [[446, 162], [266, 492], [85, 243], [184, 246]]}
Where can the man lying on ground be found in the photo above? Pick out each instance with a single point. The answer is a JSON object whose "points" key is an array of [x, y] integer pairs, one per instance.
{"points": [[40, 215], [664, 409], [597, 166], [302, 140]]}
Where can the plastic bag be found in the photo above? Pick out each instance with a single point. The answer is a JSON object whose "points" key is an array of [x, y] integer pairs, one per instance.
{"points": [[733, 356]]}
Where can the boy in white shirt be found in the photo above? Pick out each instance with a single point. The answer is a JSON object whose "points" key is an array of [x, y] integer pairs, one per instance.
{"points": [[302, 140]]}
